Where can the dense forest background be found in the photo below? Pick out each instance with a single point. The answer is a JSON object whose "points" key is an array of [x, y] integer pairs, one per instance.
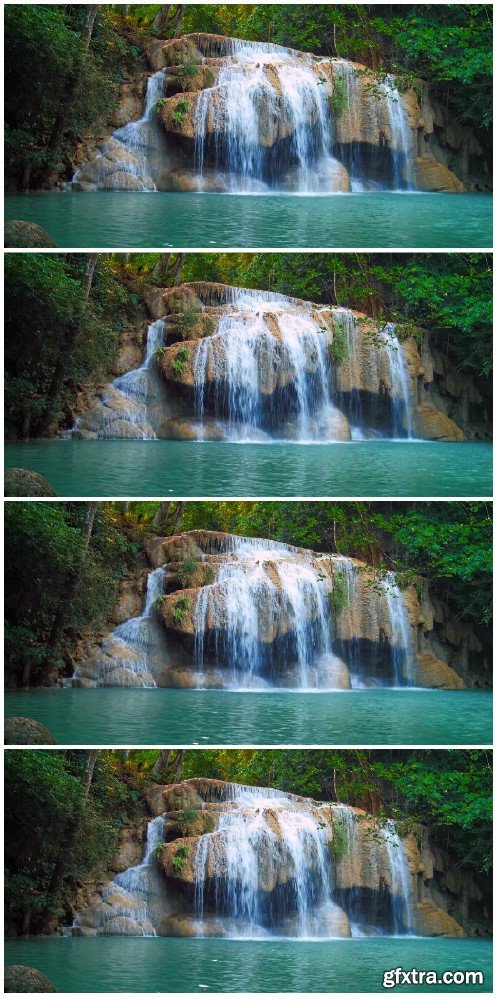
{"points": [[64, 560], [64, 312], [79, 800], [77, 54]]}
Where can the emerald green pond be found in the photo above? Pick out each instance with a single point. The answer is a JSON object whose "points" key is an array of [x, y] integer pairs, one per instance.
{"points": [[223, 469], [183, 965], [114, 716], [108, 219]]}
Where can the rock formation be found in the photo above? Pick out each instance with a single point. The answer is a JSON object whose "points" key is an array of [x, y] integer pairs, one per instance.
{"points": [[229, 860], [226, 114], [232, 363], [232, 612]]}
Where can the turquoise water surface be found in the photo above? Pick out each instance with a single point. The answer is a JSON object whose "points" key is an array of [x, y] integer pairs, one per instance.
{"points": [[175, 717], [183, 965], [160, 219], [223, 469]]}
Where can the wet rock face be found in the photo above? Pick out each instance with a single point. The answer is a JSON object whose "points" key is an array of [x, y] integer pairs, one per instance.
{"points": [[225, 363], [223, 611]]}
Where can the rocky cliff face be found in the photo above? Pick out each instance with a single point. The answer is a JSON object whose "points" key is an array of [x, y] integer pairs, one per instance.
{"points": [[223, 362], [223, 860], [224, 611], [251, 116]]}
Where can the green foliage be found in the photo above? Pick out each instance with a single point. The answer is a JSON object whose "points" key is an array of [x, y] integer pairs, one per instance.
{"points": [[187, 817], [186, 72], [158, 603], [159, 851], [160, 105], [187, 568], [43, 546], [339, 594], [180, 111], [179, 610], [180, 856], [339, 99], [338, 845], [179, 362], [44, 303], [49, 781], [158, 354], [43, 49], [188, 318]]}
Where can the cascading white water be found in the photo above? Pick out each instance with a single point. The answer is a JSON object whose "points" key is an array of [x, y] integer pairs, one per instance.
{"points": [[253, 847], [400, 384], [260, 583], [142, 387], [400, 879], [254, 77], [141, 142], [401, 645], [246, 353], [136, 898], [142, 635], [402, 144]]}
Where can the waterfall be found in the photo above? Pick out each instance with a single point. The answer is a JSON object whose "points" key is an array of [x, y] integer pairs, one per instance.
{"points": [[401, 895], [263, 87], [142, 637], [136, 147], [133, 404], [265, 346], [265, 837], [261, 587], [401, 145], [401, 641], [135, 900], [401, 403], [272, 863], [142, 387]]}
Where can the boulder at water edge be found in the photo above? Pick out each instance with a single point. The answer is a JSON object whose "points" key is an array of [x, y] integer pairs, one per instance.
{"points": [[18, 233], [22, 979], [24, 483], [19, 730]]}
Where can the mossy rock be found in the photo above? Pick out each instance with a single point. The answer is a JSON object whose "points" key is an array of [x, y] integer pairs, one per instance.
{"points": [[22, 979], [19, 730], [24, 483], [25, 234]]}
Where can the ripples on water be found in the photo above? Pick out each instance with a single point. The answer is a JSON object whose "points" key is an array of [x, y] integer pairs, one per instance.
{"points": [[160, 219], [184, 965], [349, 469]]}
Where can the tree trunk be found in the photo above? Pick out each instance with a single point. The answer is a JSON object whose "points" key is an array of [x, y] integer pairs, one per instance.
{"points": [[167, 270], [71, 88], [168, 21], [168, 518], [72, 583], [59, 372], [160, 770], [73, 826]]}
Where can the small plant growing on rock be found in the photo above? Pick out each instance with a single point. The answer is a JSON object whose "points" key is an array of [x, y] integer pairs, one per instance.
{"points": [[160, 105], [159, 851], [158, 603], [188, 816], [180, 111], [179, 610], [179, 858], [179, 362], [187, 71], [338, 845], [188, 317], [158, 354], [187, 568], [338, 100]]}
